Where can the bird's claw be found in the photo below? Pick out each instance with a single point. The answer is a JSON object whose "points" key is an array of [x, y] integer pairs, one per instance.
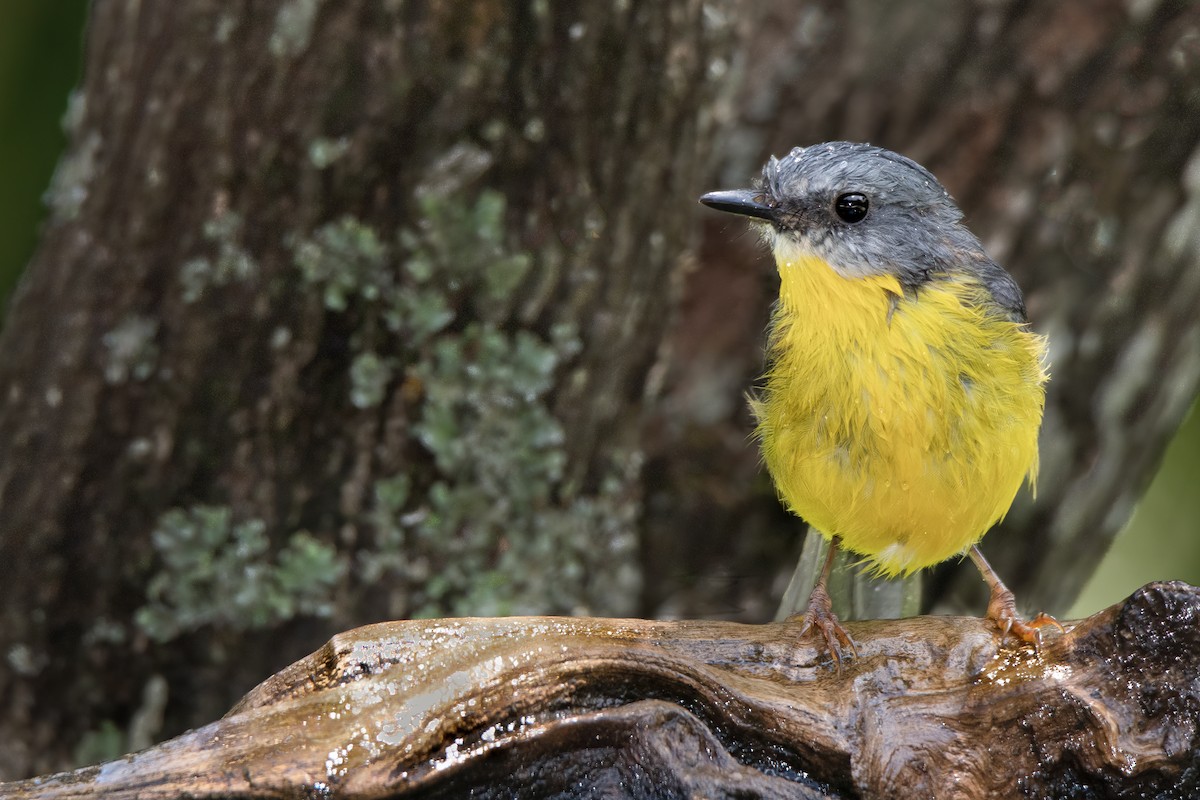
{"points": [[1002, 610], [820, 617]]}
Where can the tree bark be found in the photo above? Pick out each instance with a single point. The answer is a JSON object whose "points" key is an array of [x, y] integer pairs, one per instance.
{"points": [[553, 707], [345, 313]]}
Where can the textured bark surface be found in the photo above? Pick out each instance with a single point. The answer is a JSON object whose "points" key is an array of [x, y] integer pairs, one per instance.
{"points": [[385, 277], [554, 707]]}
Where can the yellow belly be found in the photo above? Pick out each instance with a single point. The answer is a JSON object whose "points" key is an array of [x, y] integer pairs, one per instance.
{"points": [[903, 425]]}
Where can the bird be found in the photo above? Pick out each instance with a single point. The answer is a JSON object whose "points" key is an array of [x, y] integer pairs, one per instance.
{"points": [[904, 390]]}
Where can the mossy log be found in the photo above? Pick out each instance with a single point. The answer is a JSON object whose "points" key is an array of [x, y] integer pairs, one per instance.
{"points": [[560, 707]]}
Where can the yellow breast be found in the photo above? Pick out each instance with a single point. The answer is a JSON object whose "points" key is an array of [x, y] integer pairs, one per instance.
{"points": [[902, 424]]}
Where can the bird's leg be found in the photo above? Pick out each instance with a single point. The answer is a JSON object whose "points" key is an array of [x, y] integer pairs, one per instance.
{"points": [[1002, 607], [820, 616]]}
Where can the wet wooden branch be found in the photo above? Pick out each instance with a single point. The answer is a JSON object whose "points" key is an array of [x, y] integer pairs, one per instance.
{"points": [[566, 707]]}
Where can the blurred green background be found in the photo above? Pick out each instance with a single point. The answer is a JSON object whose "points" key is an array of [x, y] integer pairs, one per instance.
{"points": [[40, 49], [40, 56], [1162, 541]]}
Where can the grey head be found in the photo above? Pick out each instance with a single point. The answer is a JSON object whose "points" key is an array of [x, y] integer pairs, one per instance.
{"points": [[867, 211]]}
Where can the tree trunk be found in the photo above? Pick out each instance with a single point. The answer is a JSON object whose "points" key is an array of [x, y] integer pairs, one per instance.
{"points": [[580, 708], [345, 313]]}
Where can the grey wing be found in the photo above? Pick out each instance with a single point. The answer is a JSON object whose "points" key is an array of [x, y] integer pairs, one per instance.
{"points": [[1003, 288]]}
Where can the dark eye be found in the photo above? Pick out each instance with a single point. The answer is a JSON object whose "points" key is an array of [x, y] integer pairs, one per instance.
{"points": [[851, 207]]}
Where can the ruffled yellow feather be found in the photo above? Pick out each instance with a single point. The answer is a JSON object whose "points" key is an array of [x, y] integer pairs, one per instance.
{"points": [[903, 424]]}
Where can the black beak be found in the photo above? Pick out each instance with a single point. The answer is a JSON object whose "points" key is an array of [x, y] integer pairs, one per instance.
{"points": [[740, 201]]}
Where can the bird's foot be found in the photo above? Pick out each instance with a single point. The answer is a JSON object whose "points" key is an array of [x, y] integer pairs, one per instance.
{"points": [[819, 617], [1002, 610]]}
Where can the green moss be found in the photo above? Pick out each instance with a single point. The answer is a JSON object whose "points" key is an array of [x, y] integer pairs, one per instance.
{"points": [[24, 660], [69, 186], [347, 260], [489, 386], [293, 27], [105, 631], [508, 546], [132, 350], [496, 532], [105, 743], [389, 556], [491, 528], [322, 151], [465, 247], [369, 378], [72, 118], [227, 23], [230, 263], [215, 571]]}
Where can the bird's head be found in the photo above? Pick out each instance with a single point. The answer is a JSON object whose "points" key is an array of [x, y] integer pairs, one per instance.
{"points": [[863, 210]]}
